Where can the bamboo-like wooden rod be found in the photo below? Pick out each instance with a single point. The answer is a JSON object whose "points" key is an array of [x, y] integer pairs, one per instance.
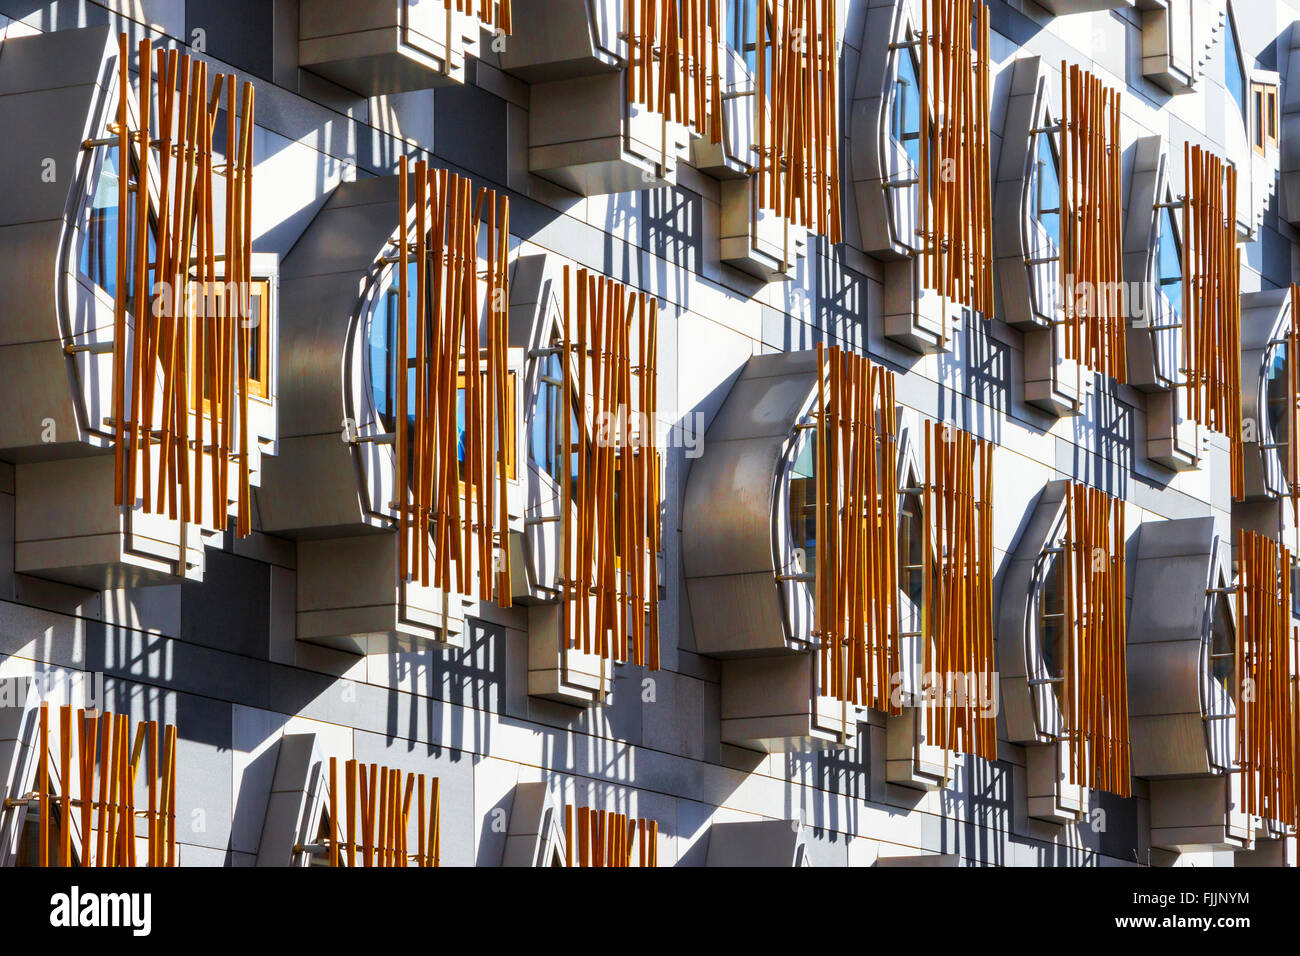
{"points": [[385, 797], [603, 838], [1091, 254], [956, 207], [1267, 716], [673, 61], [176, 365], [856, 515], [610, 526], [494, 14], [453, 517], [957, 612], [797, 115], [108, 824], [1095, 692], [1212, 302]]}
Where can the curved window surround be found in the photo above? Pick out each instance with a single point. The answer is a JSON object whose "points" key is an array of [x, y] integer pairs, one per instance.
{"points": [[1276, 397], [1234, 74], [381, 340], [803, 506]]}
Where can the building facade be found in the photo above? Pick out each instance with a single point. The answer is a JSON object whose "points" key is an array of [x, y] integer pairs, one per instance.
{"points": [[831, 432]]}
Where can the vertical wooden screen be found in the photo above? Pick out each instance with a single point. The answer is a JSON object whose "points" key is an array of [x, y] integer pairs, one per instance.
{"points": [[857, 529], [955, 172], [180, 322], [453, 520], [491, 13], [1212, 301], [369, 819], [673, 61], [104, 748], [604, 838], [957, 510], [1091, 255], [1095, 692], [609, 590], [1265, 689], [797, 114]]}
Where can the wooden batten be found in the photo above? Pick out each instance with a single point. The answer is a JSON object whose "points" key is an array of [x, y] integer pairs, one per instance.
{"points": [[673, 68], [1091, 254], [610, 537], [453, 520], [188, 338], [957, 621], [103, 746], [856, 595], [1212, 302], [369, 818], [494, 14], [1095, 692], [1266, 663], [955, 169], [605, 838], [797, 122]]}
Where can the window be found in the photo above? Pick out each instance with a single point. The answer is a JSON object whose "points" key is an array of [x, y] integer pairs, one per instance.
{"points": [[259, 337], [1234, 74], [1222, 643], [1169, 263], [546, 432], [1045, 190], [1051, 625], [381, 340], [1263, 127], [97, 260], [911, 563], [1277, 400], [905, 110], [803, 504], [742, 16]]}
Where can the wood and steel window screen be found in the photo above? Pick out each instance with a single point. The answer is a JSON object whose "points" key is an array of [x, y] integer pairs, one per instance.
{"points": [[1212, 302], [856, 587], [673, 61], [1265, 690], [797, 114], [157, 324], [453, 518], [605, 838], [610, 538], [1095, 693], [1091, 257], [108, 760], [956, 207], [957, 623], [370, 818], [494, 14]]}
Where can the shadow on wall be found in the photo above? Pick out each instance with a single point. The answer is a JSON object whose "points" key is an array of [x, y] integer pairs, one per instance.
{"points": [[977, 814]]}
